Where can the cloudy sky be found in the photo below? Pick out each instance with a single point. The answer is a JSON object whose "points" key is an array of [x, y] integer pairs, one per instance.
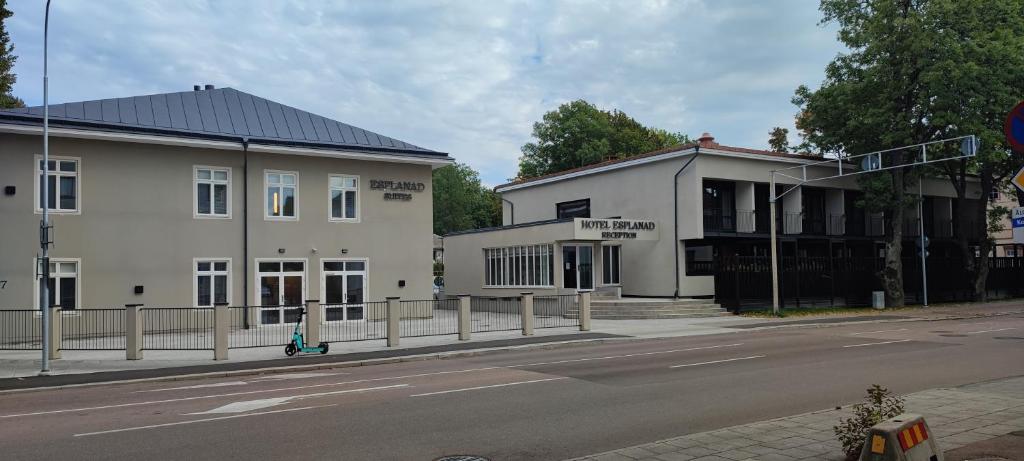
{"points": [[465, 77]]}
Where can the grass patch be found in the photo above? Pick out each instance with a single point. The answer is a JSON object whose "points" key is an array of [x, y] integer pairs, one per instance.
{"points": [[820, 311]]}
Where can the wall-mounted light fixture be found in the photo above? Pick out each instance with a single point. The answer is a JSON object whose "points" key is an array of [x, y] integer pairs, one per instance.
{"points": [[280, 251], [9, 190], [344, 251]]}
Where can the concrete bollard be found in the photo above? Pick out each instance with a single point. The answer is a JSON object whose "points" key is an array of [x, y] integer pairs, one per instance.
{"points": [[313, 316], [394, 320], [133, 331], [906, 437], [221, 331], [583, 304], [56, 321], [526, 302], [465, 320]]}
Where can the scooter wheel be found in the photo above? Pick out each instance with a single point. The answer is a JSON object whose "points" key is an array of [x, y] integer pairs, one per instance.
{"points": [[324, 347], [290, 349]]}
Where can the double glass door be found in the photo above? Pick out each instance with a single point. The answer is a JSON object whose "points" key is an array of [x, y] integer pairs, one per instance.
{"points": [[344, 293], [578, 267], [282, 287]]}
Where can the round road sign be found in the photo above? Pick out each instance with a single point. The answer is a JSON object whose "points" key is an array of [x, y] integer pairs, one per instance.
{"points": [[1013, 128]]}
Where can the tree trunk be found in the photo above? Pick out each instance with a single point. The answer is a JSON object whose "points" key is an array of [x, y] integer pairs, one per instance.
{"points": [[980, 213], [892, 273]]}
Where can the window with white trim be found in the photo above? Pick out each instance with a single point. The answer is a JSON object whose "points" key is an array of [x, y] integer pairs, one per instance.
{"points": [[344, 197], [282, 194], [212, 192], [63, 283], [611, 264], [519, 266], [212, 282], [62, 185]]}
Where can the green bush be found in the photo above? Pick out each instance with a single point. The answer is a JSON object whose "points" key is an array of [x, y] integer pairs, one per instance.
{"points": [[881, 405]]}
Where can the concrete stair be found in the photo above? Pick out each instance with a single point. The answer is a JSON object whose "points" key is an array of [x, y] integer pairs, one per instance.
{"points": [[644, 308]]}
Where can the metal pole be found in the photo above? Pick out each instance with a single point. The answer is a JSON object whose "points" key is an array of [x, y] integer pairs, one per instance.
{"points": [[775, 251], [44, 302], [924, 249]]}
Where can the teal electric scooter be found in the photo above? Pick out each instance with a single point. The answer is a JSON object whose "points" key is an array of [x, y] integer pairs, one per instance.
{"points": [[298, 345]]}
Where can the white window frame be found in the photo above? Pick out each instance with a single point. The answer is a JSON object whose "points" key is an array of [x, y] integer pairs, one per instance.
{"points": [[330, 189], [619, 263], [267, 186], [257, 295], [323, 286], [195, 191], [78, 284], [511, 266], [212, 273], [78, 184]]}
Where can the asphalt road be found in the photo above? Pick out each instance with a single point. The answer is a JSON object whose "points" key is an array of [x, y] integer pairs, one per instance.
{"points": [[541, 404]]}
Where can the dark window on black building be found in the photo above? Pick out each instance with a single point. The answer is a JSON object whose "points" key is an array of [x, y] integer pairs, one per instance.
{"points": [[573, 209]]}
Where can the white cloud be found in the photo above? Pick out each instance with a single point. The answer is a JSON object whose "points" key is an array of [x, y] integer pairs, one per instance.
{"points": [[465, 77]]}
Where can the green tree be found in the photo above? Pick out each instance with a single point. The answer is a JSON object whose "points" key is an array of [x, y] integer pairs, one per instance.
{"points": [[7, 58], [579, 133], [778, 139], [916, 71], [461, 202]]}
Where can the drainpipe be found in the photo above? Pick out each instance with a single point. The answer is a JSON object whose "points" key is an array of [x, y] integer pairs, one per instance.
{"points": [[245, 231], [675, 210], [512, 211]]}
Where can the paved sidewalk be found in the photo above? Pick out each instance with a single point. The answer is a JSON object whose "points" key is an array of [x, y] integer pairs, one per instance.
{"points": [[958, 416]]}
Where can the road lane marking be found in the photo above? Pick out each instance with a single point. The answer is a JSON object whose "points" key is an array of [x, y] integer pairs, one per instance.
{"points": [[182, 399], [197, 386], [250, 405], [623, 356], [717, 361], [878, 331], [878, 344], [283, 376], [194, 421], [489, 387], [988, 331]]}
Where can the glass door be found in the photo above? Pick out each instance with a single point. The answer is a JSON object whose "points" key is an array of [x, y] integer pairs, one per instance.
{"points": [[282, 291], [344, 285], [578, 267]]}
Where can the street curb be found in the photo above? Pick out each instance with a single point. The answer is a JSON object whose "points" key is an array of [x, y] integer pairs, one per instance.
{"points": [[894, 320], [333, 365]]}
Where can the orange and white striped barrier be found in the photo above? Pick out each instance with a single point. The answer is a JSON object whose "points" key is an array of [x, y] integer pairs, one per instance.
{"points": [[903, 438]]}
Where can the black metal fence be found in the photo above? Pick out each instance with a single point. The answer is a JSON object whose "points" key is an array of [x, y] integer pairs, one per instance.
{"points": [[177, 328], [21, 328], [359, 322], [93, 329], [745, 281], [429, 317], [249, 326], [555, 311], [496, 313]]}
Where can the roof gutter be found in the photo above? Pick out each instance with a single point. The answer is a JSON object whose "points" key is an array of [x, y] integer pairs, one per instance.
{"points": [[675, 211]]}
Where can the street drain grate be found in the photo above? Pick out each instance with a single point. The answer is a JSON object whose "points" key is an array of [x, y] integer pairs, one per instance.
{"points": [[942, 331], [462, 458], [1007, 337], [954, 336]]}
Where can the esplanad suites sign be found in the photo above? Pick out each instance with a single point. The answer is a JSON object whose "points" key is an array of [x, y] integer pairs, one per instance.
{"points": [[614, 229]]}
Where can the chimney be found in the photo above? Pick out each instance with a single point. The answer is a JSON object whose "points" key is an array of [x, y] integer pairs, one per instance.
{"points": [[196, 87], [208, 87], [706, 140]]}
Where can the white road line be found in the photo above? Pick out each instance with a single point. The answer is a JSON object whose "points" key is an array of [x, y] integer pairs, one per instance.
{"points": [[878, 344], [988, 331], [639, 354], [183, 399], [717, 361], [194, 421], [249, 405], [878, 331], [197, 386], [489, 387]]}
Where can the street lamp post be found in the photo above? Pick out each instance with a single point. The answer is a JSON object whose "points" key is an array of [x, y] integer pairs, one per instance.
{"points": [[44, 228]]}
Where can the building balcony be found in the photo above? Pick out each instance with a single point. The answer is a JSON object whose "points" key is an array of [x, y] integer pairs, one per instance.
{"points": [[719, 220]]}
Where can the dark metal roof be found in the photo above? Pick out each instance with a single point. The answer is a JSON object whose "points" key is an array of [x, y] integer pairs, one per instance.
{"points": [[219, 114]]}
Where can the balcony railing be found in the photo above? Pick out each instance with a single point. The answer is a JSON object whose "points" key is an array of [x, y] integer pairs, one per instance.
{"points": [[911, 227], [813, 225], [719, 220], [792, 223], [836, 225]]}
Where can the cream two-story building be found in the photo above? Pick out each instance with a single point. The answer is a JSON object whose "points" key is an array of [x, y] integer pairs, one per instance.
{"points": [[212, 196]]}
